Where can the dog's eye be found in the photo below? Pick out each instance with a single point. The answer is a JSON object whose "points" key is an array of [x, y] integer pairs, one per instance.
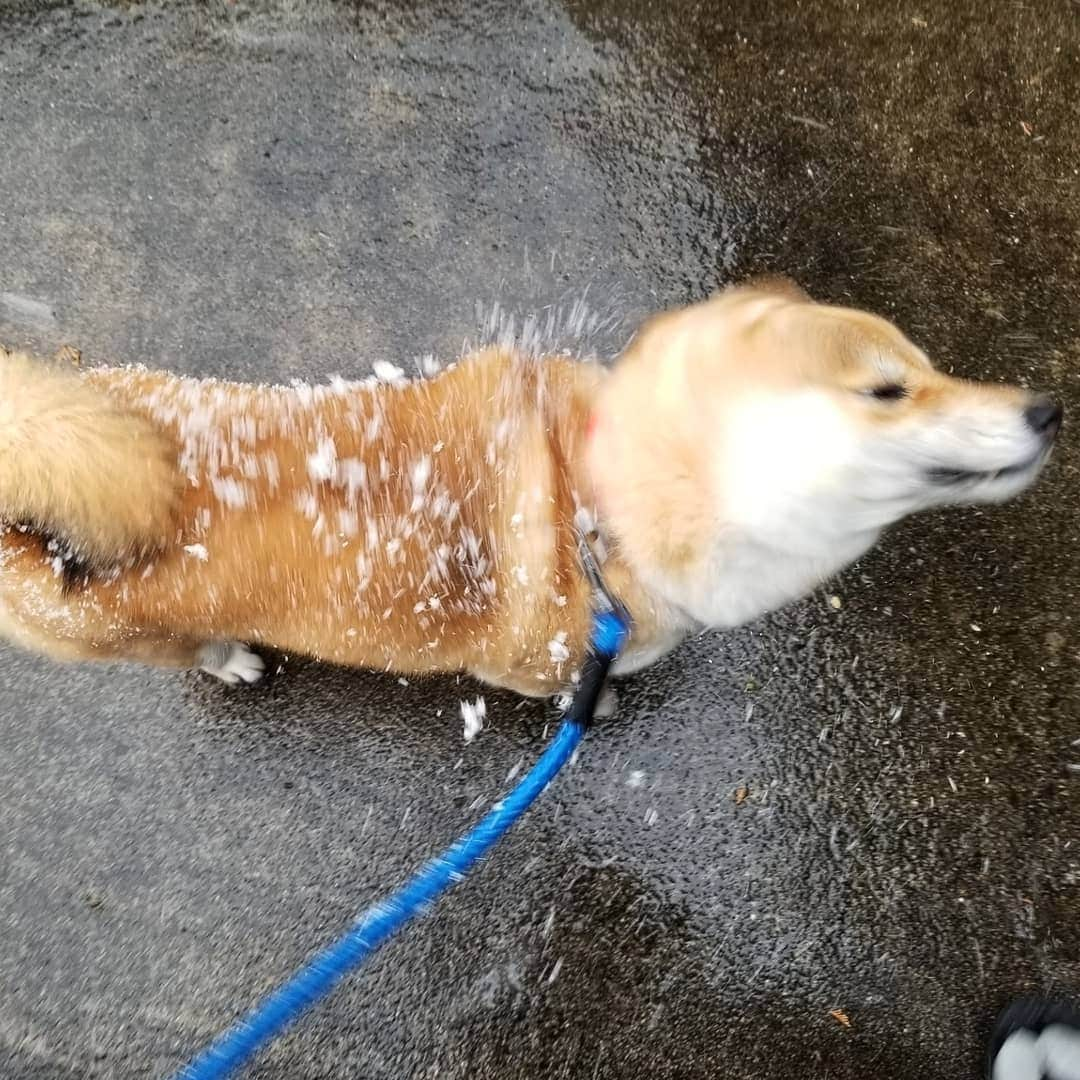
{"points": [[888, 392]]}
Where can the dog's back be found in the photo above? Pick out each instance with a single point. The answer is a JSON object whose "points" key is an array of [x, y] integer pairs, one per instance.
{"points": [[408, 527]]}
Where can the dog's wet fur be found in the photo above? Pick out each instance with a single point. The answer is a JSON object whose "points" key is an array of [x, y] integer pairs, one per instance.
{"points": [[740, 452]]}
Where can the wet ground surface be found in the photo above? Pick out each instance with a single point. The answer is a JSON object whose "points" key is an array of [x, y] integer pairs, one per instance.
{"points": [[280, 190]]}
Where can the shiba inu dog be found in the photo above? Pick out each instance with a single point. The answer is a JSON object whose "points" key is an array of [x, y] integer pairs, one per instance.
{"points": [[739, 452]]}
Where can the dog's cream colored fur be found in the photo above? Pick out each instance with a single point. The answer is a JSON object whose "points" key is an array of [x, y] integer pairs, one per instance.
{"points": [[63, 446], [740, 452]]}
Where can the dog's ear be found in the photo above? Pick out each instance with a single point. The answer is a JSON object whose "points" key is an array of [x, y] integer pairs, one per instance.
{"points": [[773, 285], [652, 326], [762, 285]]}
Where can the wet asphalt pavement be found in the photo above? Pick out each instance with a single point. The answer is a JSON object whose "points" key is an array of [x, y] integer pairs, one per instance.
{"points": [[864, 807]]}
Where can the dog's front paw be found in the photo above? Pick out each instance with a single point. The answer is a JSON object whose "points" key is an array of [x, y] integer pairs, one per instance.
{"points": [[231, 662], [607, 705]]}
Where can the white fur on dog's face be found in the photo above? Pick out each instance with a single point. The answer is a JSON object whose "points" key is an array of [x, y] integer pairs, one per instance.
{"points": [[804, 462], [805, 430], [837, 443]]}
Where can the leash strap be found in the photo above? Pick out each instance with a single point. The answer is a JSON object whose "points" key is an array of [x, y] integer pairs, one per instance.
{"points": [[322, 973]]}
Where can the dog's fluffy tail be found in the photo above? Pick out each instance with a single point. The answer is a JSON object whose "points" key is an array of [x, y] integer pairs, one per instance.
{"points": [[78, 467]]}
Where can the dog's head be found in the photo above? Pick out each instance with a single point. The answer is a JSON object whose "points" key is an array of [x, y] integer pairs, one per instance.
{"points": [[803, 428]]}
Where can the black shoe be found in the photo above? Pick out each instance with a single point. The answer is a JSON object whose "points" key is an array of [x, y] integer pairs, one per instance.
{"points": [[1029, 1014]]}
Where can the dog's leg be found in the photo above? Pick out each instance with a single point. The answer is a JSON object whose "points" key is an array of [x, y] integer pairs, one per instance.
{"points": [[230, 661], [608, 704]]}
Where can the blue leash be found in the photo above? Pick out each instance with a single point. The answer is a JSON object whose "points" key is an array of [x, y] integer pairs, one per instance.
{"points": [[318, 977]]}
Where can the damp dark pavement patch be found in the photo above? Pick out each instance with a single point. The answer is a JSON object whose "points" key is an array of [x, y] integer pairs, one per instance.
{"points": [[275, 191]]}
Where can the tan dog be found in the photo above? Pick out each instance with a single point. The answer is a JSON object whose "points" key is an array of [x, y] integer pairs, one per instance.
{"points": [[739, 453]]}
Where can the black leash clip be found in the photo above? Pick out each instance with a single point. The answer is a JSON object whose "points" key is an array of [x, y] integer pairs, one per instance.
{"points": [[609, 633]]}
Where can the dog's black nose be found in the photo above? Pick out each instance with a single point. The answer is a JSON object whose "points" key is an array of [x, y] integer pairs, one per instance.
{"points": [[1044, 417]]}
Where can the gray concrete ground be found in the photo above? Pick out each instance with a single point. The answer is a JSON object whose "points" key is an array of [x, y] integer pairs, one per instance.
{"points": [[279, 189]]}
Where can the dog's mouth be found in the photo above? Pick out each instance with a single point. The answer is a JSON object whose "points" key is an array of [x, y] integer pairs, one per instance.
{"points": [[954, 477]]}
